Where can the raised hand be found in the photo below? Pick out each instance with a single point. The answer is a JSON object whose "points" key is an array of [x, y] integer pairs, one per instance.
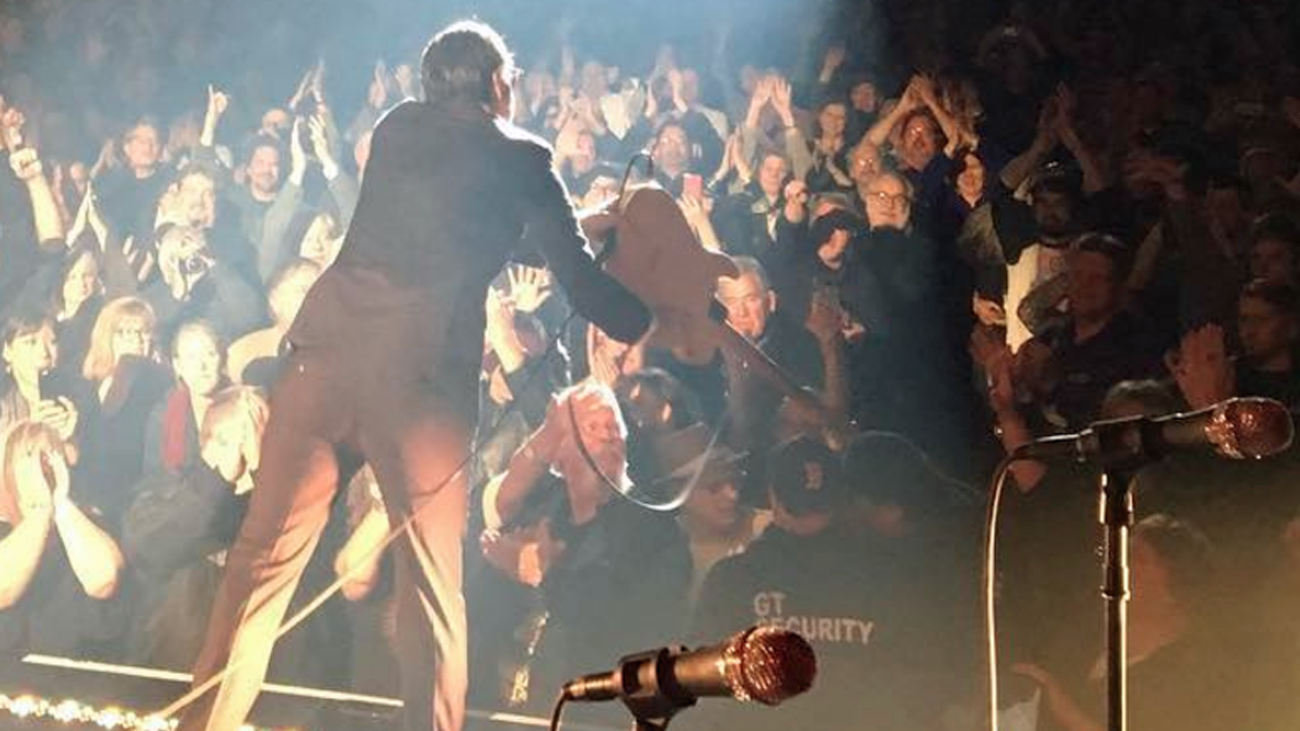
{"points": [[500, 326], [318, 133], [530, 287], [11, 127], [833, 59], [107, 158], [825, 316], [760, 98], [316, 83], [404, 75], [218, 102], [377, 95], [796, 200], [694, 209], [782, 100], [675, 84], [26, 164], [924, 88], [297, 153], [1202, 368]]}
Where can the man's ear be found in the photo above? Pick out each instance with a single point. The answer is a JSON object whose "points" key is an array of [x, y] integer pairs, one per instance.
{"points": [[501, 94]]}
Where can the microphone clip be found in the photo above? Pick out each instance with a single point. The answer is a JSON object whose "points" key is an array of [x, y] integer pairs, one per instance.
{"points": [[650, 691]]}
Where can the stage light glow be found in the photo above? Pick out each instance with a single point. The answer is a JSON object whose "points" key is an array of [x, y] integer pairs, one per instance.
{"points": [[110, 718]]}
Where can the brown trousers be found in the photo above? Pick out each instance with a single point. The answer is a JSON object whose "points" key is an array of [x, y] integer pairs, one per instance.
{"points": [[413, 441]]}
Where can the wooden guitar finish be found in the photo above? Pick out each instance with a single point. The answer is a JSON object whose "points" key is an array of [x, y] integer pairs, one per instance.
{"points": [[656, 255]]}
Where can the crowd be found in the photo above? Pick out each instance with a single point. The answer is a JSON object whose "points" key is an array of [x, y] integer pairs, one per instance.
{"points": [[953, 231]]}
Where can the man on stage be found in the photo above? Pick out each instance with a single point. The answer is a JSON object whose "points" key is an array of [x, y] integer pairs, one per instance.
{"points": [[385, 360]]}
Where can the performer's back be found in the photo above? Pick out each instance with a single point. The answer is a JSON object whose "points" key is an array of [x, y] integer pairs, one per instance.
{"points": [[447, 196]]}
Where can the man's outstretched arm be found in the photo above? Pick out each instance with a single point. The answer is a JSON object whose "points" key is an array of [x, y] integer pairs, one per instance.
{"points": [[552, 228]]}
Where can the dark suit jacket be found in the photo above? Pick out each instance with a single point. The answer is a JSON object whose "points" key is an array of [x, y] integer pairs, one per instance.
{"points": [[449, 195]]}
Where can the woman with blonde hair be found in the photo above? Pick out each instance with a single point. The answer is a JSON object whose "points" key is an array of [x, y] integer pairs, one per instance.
{"points": [[128, 381], [60, 567]]}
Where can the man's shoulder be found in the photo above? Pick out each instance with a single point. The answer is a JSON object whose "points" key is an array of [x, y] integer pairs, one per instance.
{"points": [[525, 143]]}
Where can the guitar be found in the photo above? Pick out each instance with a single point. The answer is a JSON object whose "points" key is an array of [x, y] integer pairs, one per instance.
{"points": [[648, 246]]}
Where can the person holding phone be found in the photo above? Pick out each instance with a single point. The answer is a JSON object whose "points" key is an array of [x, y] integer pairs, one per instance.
{"points": [[32, 388], [385, 356]]}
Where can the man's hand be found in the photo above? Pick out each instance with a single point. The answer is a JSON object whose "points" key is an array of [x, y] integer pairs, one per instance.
{"points": [[11, 127], [832, 61], [530, 287], [404, 76], [695, 211], [218, 103], [761, 97], [106, 160], [26, 164], [825, 317], [297, 155], [377, 95], [1201, 367], [782, 100], [988, 312], [320, 147], [500, 332], [796, 201], [675, 84]]}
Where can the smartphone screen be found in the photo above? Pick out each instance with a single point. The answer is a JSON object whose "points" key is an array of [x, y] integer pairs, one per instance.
{"points": [[47, 386], [692, 186]]}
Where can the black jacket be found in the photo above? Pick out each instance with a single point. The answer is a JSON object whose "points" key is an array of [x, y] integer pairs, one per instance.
{"points": [[449, 195]]}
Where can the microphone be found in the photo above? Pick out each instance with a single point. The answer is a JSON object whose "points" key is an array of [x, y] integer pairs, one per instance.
{"points": [[763, 664], [1239, 428]]}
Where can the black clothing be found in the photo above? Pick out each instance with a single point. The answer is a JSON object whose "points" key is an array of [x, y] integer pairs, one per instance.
{"points": [[113, 446], [55, 616], [1119, 352], [880, 659], [386, 355]]}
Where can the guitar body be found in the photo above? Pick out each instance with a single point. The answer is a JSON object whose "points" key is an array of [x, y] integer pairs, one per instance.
{"points": [[655, 254]]}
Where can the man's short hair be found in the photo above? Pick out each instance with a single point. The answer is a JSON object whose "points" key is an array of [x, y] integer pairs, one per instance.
{"points": [[1057, 178], [1277, 226], [1110, 247], [1280, 296], [257, 142], [458, 64], [143, 120], [748, 265], [1189, 558]]}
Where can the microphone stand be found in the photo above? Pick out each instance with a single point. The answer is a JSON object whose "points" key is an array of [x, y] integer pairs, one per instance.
{"points": [[1115, 512]]}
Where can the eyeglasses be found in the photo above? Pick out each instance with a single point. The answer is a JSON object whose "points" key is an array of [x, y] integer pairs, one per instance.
{"points": [[133, 332], [883, 198]]}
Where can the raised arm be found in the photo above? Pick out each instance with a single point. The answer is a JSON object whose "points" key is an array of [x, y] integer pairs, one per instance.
{"points": [[48, 222], [529, 464], [879, 133], [93, 554]]}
